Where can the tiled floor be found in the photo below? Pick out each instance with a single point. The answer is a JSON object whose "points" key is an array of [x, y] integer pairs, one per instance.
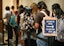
{"points": [[5, 38]]}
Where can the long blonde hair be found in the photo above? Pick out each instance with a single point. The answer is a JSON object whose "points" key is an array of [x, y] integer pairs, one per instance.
{"points": [[34, 7]]}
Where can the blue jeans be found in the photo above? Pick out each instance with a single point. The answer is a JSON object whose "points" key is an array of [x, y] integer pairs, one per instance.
{"points": [[40, 42]]}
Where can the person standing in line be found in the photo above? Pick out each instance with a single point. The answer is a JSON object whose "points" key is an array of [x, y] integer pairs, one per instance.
{"points": [[19, 22], [39, 17], [14, 25], [34, 12], [58, 13], [7, 16]]}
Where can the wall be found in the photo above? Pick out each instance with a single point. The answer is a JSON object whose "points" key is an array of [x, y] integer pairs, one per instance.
{"points": [[29, 2], [48, 2], [1, 22], [8, 3]]}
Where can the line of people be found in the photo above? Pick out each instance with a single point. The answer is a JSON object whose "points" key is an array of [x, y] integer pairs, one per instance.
{"points": [[11, 24], [27, 18]]}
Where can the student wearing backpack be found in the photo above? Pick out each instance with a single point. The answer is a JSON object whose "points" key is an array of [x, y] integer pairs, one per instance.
{"points": [[39, 17], [58, 13], [26, 23]]}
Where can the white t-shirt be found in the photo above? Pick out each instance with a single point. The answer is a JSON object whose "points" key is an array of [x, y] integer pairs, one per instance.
{"points": [[6, 12]]}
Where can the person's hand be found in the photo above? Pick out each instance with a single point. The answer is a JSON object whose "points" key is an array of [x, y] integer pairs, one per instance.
{"points": [[13, 26], [36, 25]]}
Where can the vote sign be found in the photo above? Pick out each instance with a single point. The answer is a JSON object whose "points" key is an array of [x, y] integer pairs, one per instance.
{"points": [[49, 26]]}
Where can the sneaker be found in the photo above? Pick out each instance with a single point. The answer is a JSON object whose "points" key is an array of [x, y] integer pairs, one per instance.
{"points": [[19, 45], [6, 40], [10, 41], [5, 43]]}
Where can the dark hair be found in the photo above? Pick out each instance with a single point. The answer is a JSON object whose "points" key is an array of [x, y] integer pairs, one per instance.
{"points": [[42, 4], [12, 7], [58, 10], [21, 9], [55, 6], [7, 8], [21, 6]]}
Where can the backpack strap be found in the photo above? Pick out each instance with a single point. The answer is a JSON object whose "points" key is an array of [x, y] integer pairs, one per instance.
{"points": [[44, 13]]}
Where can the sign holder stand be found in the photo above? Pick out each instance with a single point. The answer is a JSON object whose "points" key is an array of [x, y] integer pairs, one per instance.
{"points": [[51, 41], [50, 29]]}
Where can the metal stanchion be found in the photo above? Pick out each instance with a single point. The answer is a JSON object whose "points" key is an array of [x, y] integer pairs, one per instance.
{"points": [[3, 35], [28, 36], [50, 41]]}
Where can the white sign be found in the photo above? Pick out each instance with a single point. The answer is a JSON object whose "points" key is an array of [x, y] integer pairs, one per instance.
{"points": [[49, 26]]}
